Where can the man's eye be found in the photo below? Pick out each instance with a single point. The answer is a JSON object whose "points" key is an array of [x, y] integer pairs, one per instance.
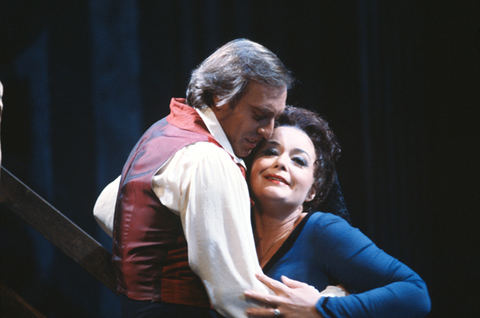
{"points": [[259, 117], [270, 152]]}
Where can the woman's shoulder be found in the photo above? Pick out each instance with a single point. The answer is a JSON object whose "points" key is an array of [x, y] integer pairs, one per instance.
{"points": [[325, 225], [325, 219]]}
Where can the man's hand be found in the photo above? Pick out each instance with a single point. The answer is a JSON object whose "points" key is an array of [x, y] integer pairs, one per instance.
{"points": [[293, 299]]}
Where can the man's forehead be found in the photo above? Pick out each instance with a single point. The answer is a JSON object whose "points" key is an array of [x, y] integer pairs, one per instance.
{"points": [[271, 91], [266, 109], [269, 101]]}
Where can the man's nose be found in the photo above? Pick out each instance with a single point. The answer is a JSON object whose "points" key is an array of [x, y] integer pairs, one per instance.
{"points": [[267, 130]]}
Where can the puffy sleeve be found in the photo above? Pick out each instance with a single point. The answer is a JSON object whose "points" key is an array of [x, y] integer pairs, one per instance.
{"points": [[381, 285], [206, 188], [104, 209]]}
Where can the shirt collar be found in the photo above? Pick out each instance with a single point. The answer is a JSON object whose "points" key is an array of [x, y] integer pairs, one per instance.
{"points": [[214, 127]]}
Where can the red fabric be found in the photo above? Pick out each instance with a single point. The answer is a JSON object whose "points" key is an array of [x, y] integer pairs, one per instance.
{"points": [[242, 169], [150, 251]]}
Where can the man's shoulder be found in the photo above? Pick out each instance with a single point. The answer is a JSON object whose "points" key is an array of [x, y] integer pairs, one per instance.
{"points": [[204, 162], [205, 150]]}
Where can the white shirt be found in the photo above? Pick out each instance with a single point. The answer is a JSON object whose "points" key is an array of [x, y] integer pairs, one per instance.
{"points": [[204, 186]]}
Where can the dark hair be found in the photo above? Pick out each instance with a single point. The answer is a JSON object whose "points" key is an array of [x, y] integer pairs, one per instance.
{"points": [[228, 71], [326, 146]]}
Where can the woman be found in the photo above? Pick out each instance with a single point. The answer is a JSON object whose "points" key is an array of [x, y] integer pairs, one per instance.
{"points": [[291, 173]]}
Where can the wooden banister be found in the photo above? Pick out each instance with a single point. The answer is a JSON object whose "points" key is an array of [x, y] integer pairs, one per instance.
{"points": [[57, 228], [13, 306]]}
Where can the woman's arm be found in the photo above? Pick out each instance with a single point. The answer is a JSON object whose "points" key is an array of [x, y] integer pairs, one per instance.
{"points": [[381, 285], [385, 287]]}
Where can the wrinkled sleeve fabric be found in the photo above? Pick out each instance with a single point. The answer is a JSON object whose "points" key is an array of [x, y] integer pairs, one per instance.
{"points": [[203, 185], [104, 209], [382, 285]]}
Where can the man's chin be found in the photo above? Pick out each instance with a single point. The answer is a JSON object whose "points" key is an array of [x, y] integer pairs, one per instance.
{"points": [[244, 154]]}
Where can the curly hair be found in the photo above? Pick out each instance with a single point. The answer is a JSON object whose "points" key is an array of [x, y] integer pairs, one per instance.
{"points": [[228, 71], [326, 146]]}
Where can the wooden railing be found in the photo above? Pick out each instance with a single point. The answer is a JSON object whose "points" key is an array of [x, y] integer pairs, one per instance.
{"points": [[56, 228]]}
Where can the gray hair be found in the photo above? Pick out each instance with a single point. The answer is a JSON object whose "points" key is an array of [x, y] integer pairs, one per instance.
{"points": [[228, 71]]}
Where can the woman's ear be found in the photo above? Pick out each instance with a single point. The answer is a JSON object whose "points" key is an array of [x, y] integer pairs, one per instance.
{"points": [[311, 195]]}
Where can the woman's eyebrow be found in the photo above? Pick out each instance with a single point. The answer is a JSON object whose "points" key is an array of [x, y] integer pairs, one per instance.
{"points": [[276, 143], [302, 151]]}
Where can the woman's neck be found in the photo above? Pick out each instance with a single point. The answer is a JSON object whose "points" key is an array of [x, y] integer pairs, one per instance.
{"points": [[272, 228]]}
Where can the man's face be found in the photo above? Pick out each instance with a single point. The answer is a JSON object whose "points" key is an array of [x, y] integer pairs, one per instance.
{"points": [[252, 118]]}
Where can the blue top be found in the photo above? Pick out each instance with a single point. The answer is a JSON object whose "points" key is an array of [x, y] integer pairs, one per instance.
{"points": [[325, 250]]}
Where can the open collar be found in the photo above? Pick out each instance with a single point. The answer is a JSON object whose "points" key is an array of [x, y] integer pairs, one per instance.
{"points": [[214, 127]]}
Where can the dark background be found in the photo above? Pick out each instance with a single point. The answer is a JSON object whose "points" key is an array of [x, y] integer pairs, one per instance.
{"points": [[397, 80]]}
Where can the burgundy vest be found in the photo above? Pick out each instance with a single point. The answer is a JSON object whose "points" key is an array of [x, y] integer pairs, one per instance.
{"points": [[149, 250]]}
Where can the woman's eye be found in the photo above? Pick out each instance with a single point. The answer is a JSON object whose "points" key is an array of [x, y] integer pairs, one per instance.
{"points": [[300, 161]]}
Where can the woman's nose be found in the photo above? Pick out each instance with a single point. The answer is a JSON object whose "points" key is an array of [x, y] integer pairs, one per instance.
{"points": [[281, 162]]}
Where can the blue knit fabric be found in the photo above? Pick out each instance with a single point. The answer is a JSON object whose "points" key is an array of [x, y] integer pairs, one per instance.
{"points": [[325, 250]]}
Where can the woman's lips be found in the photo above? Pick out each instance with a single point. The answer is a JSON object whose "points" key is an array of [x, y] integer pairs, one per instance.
{"points": [[273, 177]]}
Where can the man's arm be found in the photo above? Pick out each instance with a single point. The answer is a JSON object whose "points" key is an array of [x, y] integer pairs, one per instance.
{"points": [[104, 209], [206, 188], [212, 199]]}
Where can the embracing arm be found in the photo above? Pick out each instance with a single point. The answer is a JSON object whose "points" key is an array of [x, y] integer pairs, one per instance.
{"points": [[383, 286], [212, 199], [207, 189]]}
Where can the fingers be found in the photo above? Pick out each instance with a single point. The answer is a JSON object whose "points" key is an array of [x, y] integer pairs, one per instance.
{"points": [[265, 299], [276, 286], [263, 312], [292, 283]]}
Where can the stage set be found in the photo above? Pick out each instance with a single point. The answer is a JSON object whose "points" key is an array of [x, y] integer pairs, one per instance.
{"points": [[399, 83]]}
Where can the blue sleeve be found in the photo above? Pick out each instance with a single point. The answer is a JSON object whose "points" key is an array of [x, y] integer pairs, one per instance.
{"points": [[381, 286]]}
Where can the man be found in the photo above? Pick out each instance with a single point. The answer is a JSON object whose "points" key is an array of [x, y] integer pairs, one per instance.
{"points": [[183, 183]]}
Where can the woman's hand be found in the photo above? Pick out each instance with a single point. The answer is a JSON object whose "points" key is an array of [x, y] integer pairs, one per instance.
{"points": [[293, 299]]}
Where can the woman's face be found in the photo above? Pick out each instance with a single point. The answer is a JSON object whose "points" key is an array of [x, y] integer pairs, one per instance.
{"points": [[283, 168]]}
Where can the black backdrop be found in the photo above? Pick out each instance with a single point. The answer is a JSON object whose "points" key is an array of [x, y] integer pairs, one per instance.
{"points": [[398, 82]]}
